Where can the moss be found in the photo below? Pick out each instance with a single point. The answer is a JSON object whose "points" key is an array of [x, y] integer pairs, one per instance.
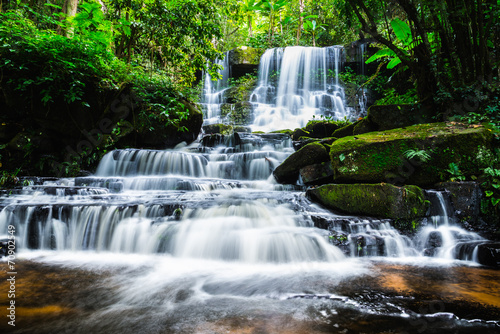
{"points": [[286, 132], [246, 55], [379, 200], [380, 156]]}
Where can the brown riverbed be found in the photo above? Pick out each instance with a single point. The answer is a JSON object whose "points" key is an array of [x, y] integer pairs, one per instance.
{"points": [[400, 298]]}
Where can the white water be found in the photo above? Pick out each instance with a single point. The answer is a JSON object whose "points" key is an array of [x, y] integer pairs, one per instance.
{"points": [[296, 85], [214, 90]]}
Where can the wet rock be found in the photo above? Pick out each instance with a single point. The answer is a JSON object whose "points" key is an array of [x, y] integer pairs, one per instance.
{"points": [[465, 198], [345, 131], [317, 174], [489, 254], [310, 154], [380, 156], [212, 140], [378, 200]]}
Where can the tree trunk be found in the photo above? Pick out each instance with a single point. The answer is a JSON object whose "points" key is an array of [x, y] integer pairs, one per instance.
{"points": [[301, 20], [69, 10]]}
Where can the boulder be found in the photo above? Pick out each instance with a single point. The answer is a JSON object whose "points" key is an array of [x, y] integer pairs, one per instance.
{"points": [[243, 60], [310, 154], [378, 200], [380, 156], [489, 254]]}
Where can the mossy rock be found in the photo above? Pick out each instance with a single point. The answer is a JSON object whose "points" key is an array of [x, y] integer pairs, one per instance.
{"points": [[310, 154], [320, 129], [345, 131], [364, 126], [245, 55], [218, 128], [380, 156], [378, 200]]}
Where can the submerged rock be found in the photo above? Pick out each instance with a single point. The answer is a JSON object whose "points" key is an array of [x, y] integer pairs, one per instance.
{"points": [[382, 156], [378, 200]]}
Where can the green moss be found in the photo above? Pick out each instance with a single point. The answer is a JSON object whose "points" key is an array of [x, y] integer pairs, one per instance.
{"points": [[379, 200], [379, 156]]}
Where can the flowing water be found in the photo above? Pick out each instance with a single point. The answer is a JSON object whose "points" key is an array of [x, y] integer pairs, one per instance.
{"points": [[202, 240]]}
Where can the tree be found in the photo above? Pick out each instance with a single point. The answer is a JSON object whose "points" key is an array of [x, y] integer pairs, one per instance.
{"points": [[447, 45], [271, 9], [301, 20]]}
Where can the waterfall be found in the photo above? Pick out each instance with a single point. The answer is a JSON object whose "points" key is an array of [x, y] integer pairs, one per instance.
{"points": [[213, 91], [297, 84]]}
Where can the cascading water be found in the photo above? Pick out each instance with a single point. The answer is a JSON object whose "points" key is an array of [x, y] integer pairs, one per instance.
{"points": [[297, 84], [199, 234], [213, 91]]}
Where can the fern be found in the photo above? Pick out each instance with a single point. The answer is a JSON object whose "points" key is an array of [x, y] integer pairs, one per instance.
{"points": [[421, 155]]}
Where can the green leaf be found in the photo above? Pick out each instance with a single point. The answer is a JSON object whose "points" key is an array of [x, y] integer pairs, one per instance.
{"points": [[495, 201], [402, 31], [393, 63], [488, 193], [380, 54]]}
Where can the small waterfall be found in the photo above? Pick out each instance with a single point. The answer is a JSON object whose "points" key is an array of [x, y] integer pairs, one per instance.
{"points": [[296, 85], [213, 91], [444, 238]]}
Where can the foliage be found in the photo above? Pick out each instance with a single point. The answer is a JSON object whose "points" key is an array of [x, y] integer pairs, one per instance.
{"points": [[391, 96], [455, 173], [421, 155], [44, 64], [445, 45]]}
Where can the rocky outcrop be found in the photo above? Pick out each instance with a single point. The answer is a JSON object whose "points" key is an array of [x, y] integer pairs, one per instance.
{"points": [[243, 60], [310, 154], [378, 200], [382, 156]]}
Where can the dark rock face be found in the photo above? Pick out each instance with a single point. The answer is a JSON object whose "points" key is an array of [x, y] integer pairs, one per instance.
{"points": [[489, 254], [465, 198]]}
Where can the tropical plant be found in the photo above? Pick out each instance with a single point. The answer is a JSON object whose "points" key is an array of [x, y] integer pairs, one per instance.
{"points": [[421, 155]]}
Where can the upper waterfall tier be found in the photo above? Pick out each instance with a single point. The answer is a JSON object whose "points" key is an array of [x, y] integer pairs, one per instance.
{"points": [[297, 84]]}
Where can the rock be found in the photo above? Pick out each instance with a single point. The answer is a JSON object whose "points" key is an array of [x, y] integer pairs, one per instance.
{"points": [[465, 198], [320, 129], [364, 126], [378, 200], [317, 174], [217, 128], [344, 131], [212, 140], [489, 254], [310, 154], [380, 156], [243, 60]]}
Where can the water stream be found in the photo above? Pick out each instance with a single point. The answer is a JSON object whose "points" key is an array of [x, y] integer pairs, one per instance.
{"points": [[202, 239]]}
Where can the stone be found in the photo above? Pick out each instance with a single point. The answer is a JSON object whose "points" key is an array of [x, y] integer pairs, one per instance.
{"points": [[380, 156], [465, 198], [243, 60], [317, 174], [310, 154], [488, 254], [378, 200]]}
